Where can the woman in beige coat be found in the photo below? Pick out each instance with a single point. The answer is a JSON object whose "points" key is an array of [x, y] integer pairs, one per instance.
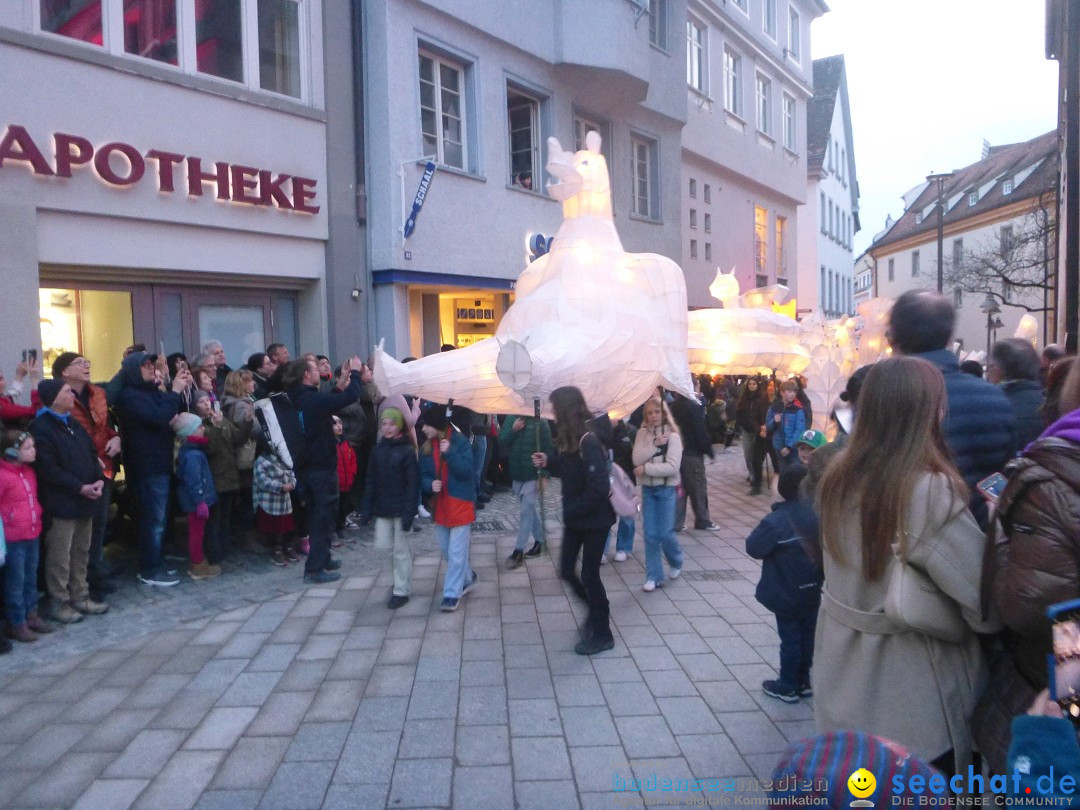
{"points": [[894, 491], [657, 455]]}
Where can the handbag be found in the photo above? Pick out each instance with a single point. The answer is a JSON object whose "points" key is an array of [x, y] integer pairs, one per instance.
{"points": [[914, 600]]}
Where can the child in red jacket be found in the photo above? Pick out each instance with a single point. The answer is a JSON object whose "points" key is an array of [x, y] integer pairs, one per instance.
{"points": [[20, 512], [346, 474]]}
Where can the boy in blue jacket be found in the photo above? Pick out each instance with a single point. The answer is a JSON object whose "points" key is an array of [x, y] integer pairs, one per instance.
{"points": [[786, 542], [786, 423]]}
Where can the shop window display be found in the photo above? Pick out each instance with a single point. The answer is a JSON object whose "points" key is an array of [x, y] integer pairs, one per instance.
{"points": [[95, 323]]}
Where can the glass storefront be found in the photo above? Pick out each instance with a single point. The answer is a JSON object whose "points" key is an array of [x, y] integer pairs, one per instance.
{"points": [[95, 323]]}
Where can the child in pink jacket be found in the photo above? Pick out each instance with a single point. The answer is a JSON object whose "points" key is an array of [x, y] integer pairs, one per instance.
{"points": [[20, 512]]}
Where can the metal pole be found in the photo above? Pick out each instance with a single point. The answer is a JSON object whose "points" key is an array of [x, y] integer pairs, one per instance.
{"points": [[940, 180], [1071, 268], [540, 477]]}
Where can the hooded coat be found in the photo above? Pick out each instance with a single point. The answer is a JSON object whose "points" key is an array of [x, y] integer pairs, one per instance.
{"points": [[145, 413]]}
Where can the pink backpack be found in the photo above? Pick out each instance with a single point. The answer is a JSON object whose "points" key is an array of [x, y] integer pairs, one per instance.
{"points": [[621, 490]]}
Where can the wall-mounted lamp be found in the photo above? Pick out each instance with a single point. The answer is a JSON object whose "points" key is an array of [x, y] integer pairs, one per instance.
{"points": [[355, 293]]}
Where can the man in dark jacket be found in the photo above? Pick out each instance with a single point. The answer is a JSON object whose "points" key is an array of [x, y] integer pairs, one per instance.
{"points": [[146, 412], [690, 417], [979, 426], [317, 472], [69, 484], [1014, 367]]}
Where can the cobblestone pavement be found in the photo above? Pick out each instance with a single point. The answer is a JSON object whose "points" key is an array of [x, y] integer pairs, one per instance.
{"points": [[253, 691]]}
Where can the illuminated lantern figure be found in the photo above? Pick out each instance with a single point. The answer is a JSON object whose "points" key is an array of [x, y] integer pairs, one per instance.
{"points": [[1027, 329], [746, 336], [587, 314]]}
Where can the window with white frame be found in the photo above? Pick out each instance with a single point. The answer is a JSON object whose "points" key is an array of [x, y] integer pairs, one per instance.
{"points": [[695, 55], [583, 125], [258, 43], [794, 36], [442, 109], [523, 132], [768, 22], [1007, 186], [732, 83], [764, 104], [658, 11], [821, 289], [644, 200], [789, 122], [973, 198]]}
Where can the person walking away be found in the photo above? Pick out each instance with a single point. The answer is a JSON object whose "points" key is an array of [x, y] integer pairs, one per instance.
{"points": [[447, 472], [786, 542], [657, 457], [581, 462], [911, 512], [317, 472], [690, 417], [522, 436], [391, 495], [70, 482], [195, 489], [346, 473], [750, 414], [271, 488], [20, 523]]}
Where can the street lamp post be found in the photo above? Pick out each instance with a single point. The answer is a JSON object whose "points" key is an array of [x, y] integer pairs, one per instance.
{"points": [[991, 308], [940, 180]]}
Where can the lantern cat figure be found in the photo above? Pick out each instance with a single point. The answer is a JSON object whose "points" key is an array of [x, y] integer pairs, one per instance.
{"points": [[587, 314]]}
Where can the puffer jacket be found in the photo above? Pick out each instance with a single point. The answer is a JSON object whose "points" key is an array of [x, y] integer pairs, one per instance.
{"points": [[66, 462], [392, 485], [1026, 400], [521, 444], [20, 511], [1036, 557]]}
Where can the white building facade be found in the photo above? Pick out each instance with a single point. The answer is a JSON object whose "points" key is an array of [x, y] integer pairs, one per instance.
{"points": [[830, 219], [749, 77], [146, 193]]}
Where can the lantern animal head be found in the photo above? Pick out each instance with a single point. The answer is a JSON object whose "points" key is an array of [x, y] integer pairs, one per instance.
{"points": [[725, 288], [584, 186]]}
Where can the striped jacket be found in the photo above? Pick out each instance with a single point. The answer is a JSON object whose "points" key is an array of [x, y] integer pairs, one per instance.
{"points": [[270, 476]]}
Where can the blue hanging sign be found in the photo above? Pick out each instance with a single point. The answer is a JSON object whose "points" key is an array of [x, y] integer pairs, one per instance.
{"points": [[418, 201]]}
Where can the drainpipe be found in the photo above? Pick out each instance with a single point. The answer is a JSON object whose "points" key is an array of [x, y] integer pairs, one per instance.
{"points": [[1072, 174]]}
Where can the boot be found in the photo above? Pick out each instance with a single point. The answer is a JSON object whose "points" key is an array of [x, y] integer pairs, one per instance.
{"points": [[515, 559], [20, 632], [38, 624]]}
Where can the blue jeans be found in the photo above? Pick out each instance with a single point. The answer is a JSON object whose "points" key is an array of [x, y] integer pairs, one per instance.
{"points": [[20, 581], [454, 542], [319, 490], [153, 494], [796, 648], [658, 515], [527, 493], [479, 456], [624, 535]]}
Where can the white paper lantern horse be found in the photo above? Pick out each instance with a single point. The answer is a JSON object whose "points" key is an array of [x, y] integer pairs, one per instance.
{"points": [[587, 314]]}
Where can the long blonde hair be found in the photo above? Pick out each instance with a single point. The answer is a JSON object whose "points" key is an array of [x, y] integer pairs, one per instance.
{"points": [[665, 414], [897, 438]]}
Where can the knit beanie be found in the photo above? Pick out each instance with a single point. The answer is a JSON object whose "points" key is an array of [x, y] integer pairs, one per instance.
{"points": [[396, 415], [790, 478], [818, 769], [185, 424], [199, 394], [62, 362], [435, 415], [48, 389]]}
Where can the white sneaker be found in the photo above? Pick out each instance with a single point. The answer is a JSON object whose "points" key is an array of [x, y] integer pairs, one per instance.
{"points": [[620, 556], [649, 586], [424, 513], [674, 573], [603, 559]]}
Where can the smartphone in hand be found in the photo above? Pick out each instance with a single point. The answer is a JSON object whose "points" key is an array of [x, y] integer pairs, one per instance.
{"points": [[992, 486], [1063, 664]]}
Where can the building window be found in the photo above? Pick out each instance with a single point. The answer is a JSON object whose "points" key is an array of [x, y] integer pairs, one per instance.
{"points": [[583, 125], [1007, 186], [77, 19], [442, 110], [918, 217], [742, 4], [693, 248], [794, 48], [821, 289], [150, 30], [658, 12], [761, 239], [892, 269], [832, 224], [821, 208], [218, 41], [732, 94], [708, 223], [279, 46], [643, 178], [1006, 238], [781, 242], [973, 198], [708, 251], [693, 189], [764, 104], [707, 193], [789, 122], [695, 55], [958, 297], [693, 217], [523, 131], [768, 23], [914, 263], [957, 253]]}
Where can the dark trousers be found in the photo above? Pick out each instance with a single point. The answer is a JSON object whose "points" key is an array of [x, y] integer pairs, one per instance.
{"points": [[95, 566], [692, 471], [319, 490], [217, 542], [344, 507], [796, 648], [754, 455], [590, 542]]}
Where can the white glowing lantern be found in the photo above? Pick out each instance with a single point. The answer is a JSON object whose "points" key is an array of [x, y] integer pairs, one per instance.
{"points": [[832, 360], [587, 314], [746, 336], [1028, 328]]}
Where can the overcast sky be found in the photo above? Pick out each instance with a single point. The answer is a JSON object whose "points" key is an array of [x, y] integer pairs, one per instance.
{"points": [[928, 81]]}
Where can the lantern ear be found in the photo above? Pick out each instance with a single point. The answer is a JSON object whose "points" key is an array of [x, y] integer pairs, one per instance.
{"points": [[592, 141]]}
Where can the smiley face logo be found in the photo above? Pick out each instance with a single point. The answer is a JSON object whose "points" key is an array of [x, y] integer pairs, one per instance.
{"points": [[862, 783]]}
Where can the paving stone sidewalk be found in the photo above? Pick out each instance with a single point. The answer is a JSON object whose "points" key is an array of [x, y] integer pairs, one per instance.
{"points": [[322, 697]]}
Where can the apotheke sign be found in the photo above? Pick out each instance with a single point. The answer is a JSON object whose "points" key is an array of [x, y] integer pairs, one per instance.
{"points": [[120, 164]]}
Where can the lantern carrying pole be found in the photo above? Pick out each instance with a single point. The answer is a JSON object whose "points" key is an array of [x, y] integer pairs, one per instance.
{"points": [[540, 476]]}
